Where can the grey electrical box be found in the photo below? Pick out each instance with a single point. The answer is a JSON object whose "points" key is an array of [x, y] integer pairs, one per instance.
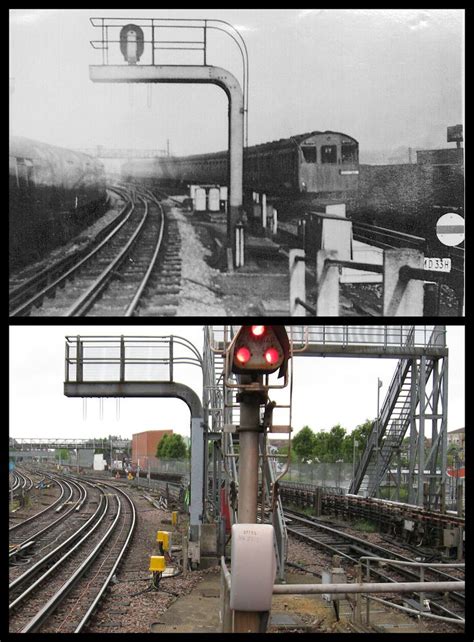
{"points": [[450, 537], [253, 567]]}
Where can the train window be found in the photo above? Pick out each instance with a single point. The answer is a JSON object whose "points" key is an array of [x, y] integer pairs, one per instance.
{"points": [[24, 173], [349, 153], [328, 154], [309, 153]]}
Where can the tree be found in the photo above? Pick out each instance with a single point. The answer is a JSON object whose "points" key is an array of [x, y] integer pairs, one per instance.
{"points": [[334, 443], [62, 454], [162, 447], [303, 443], [171, 447]]}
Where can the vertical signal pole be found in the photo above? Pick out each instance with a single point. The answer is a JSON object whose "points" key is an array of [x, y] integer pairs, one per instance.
{"points": [[257, 350], [248, 459], [248, 621]]}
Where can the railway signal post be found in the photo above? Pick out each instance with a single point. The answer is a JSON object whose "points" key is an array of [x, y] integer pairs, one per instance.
{"points": [[256, 352], [132, 46]]}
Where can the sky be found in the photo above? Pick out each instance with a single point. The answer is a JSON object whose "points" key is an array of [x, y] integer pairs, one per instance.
{"points": [[326, 391], [387, 77]]}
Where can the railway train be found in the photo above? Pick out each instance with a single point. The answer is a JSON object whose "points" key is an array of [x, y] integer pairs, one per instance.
{"points": [[53, 194], [315, 167]]}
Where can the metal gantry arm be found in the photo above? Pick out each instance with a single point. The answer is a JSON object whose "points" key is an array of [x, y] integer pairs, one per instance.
{"points": [[154, 24]]}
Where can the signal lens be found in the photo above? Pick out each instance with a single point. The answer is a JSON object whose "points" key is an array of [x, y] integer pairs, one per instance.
{"points": [[242, 355], [272, 355], [258, 330]]}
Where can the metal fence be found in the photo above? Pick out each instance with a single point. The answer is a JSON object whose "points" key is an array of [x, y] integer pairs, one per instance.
{"points": [[338, 475]]}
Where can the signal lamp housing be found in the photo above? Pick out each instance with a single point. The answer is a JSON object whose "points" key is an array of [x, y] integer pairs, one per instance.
{"points": [[260, 349]]}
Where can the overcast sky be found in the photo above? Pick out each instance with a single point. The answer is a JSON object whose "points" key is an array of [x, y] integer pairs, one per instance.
{"points": [[326, 391], [387, 77]]}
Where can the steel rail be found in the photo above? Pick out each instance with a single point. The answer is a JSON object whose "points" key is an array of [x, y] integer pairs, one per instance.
{"points": [[131, 308], [26, 521], [82, 305], [98, 517], [19, 291], [51, 525], [69, 261], [44, 612], [59, 596], [363, 551], [115, 565]]}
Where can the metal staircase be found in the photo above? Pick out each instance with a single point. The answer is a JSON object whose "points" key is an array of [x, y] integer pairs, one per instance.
{"points": [[385, 440]]}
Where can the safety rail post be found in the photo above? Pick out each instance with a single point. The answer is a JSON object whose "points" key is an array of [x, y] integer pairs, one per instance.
{"points": [[327, 280], [358, 598], [226, 611], [66, 364], [122, 358], [239, 245], [402, 294], [297, 282], [171, 357], [79, 360]]}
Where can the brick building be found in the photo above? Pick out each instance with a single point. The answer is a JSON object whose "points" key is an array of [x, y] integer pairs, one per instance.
{"points": [[144, 445]]}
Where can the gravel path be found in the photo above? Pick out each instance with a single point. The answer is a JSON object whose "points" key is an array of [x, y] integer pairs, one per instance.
{"points": [[198, 296]]}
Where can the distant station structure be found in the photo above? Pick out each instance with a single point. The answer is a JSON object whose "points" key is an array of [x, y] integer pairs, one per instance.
{"points": [[114, 158], [108, 152]]}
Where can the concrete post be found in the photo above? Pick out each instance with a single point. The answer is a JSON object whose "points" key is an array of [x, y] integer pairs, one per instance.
{"points": [[402, 298], [327, 279], [264, 211], [239, 245], [297, 282]]}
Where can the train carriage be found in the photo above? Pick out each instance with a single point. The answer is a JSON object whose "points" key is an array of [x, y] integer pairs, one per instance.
{"points": [[53, 194], [319, 166]]}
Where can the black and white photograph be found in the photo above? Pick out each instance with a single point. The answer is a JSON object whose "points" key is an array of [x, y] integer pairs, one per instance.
{"points": [[223, 162]]}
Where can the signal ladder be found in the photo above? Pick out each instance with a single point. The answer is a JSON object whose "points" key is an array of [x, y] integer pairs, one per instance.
{"points": [[226, 418]]}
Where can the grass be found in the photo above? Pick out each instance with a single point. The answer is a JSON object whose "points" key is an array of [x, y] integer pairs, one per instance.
{"points": [[365, 526]]}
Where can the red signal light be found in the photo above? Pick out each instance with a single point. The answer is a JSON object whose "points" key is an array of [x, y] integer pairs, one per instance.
{"points": [[242, 355], [258, 330], [272, 356]]}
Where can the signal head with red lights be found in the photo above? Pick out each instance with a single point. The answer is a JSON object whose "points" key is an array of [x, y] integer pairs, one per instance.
{"points": [[260, 349]]}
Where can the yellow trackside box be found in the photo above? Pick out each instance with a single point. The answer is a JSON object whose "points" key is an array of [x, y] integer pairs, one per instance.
{"points": [[157, 563], [174, 517], [165, 538]]}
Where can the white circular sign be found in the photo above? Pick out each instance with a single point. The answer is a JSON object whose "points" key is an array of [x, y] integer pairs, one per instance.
{"points": [[450, 229]]}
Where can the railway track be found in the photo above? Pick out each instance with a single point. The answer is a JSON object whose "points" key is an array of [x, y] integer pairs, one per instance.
{"points": [[352, 549], [20, 482], [61, 591], [133, 270], [33, 537]]}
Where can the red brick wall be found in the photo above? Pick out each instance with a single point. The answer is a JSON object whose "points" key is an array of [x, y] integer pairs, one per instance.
{"points": [[144, 444]]}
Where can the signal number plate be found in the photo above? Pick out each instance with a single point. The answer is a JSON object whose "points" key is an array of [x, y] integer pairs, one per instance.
{"points": [[437, 264]]}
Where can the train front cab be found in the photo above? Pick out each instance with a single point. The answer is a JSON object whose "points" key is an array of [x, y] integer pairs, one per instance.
{"points": [[329, 164]]}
